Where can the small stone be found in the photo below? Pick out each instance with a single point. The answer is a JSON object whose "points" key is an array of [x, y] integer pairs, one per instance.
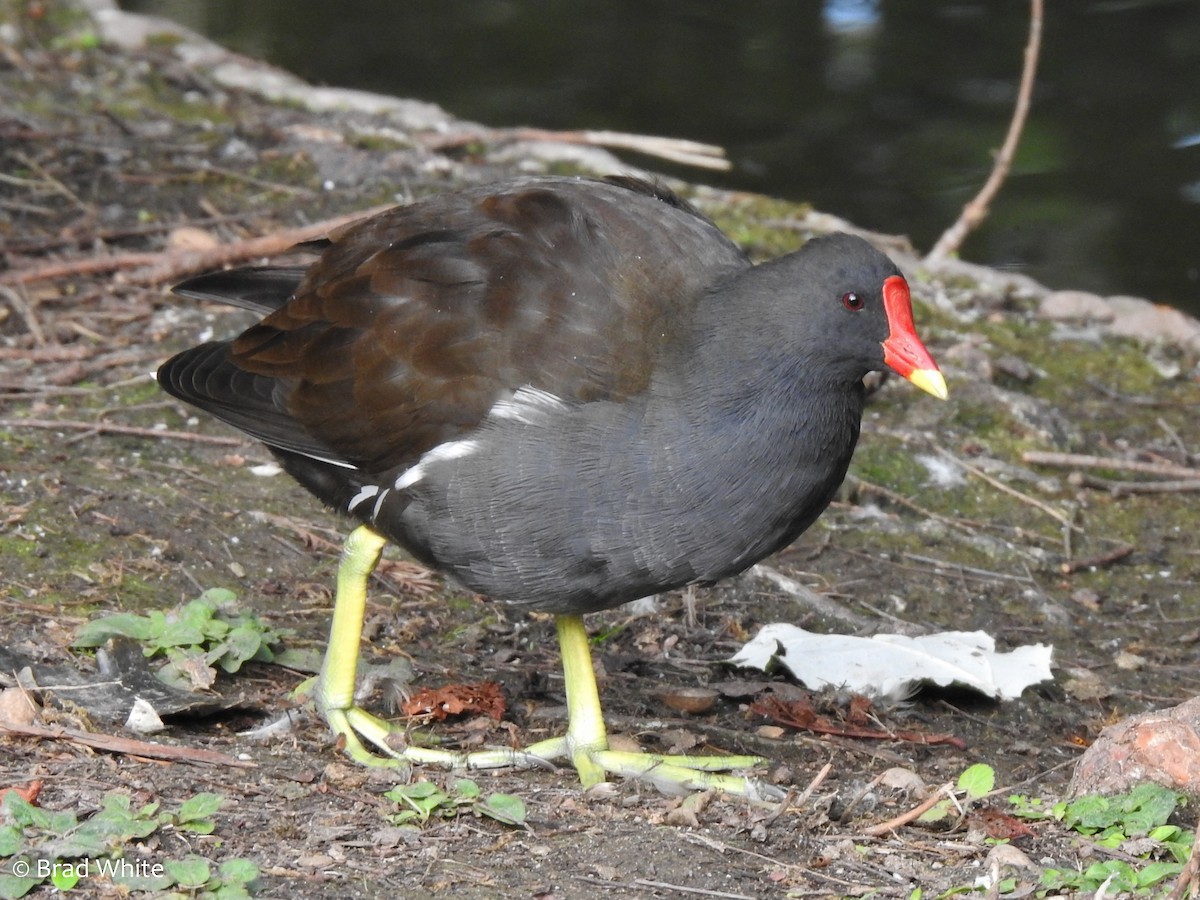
{"points": [[143, 718], [314, 861], [1075, 306], [1085, 685], [190, 239], [1146, 321], [1130, 662], [690, 699], [902, 779], [17, 707]]}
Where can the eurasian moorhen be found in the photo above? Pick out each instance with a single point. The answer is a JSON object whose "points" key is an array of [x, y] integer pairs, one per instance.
{"points": [[564, 393]]}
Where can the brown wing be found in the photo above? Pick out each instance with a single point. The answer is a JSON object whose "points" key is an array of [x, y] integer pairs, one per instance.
{"points": [[413, 323]]}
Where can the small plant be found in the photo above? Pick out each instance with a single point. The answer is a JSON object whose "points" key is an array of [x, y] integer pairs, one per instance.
{"points": [[196, 637], [1134, 823], [976, 782], [47, 847], [423, 800]]}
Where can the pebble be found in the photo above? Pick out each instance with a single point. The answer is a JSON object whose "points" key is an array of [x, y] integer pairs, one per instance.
{"points": [[1075, 306]]}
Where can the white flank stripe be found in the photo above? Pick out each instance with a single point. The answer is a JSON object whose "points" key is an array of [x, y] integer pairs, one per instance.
{"points": [[365, 493], [440, 453], [530, 405], [379, 503]]}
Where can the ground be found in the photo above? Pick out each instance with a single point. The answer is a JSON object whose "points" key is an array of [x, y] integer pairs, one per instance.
{"points": [[116, 498]]}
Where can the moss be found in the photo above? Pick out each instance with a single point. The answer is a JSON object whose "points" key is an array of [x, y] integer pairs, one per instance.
{"points": [[758, 224], [375, 142]]}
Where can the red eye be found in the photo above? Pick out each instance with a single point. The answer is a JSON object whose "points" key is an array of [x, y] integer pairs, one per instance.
{"points": [[852, 301]]}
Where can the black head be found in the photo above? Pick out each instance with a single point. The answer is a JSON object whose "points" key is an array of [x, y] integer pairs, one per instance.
{"points": [[843, 308]]}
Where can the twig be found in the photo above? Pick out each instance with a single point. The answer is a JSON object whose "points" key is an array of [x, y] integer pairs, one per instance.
{"points": [[721, 847], [703, 892], [207, 168], [1120, 488], [1011, 491], [56, 185], [20, 304], [128, 746], [944, 567], [883, 828], [871, 487], [45, 243], [1084, 461], [808, 597], [814, 784], [108, 428], [689, 153], [1098, 561], [157, 268], [977, 209]]}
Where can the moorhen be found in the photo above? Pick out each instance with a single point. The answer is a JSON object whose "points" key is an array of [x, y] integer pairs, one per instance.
{"points": [[564, 393]]}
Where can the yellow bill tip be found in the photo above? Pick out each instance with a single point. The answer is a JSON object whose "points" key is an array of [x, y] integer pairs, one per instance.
{"points": [[931, 381]]}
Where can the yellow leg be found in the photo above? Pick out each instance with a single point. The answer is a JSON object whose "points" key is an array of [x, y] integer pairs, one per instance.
{"points": [[585, 744], [335, 686]]}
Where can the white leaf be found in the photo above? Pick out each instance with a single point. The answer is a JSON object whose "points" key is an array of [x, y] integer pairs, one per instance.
{"points": [[893, 665]]}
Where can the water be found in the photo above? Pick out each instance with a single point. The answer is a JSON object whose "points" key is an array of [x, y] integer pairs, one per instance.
{"points": [[881, 111]]}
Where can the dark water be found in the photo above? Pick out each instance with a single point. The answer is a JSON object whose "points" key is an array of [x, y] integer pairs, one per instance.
{"points": [[883, 112]]}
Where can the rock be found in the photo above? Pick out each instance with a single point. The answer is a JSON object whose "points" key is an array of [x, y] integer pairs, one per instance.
{"points": [[1148, 321], [1161, 746], [1075, 306]]}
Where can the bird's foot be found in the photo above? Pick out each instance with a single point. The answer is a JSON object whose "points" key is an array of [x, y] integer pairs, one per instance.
{"points": [[679, 775], [356, 729], [352, 726]]}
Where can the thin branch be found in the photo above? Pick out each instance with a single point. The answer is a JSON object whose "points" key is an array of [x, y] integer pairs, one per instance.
{"points": [[127, 746], [977, 209], [684, 152], [1098, 561], [1124, 488], [945, 791], [1011, 491], [1084, 461], [132, 430], [809, 598], [158, 268]]}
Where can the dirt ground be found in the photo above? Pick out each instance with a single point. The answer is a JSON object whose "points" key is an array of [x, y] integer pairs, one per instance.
{"points": [[127, 169]]}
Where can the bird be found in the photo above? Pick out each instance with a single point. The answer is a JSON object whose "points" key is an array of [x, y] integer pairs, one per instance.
{"points": [[564, 393]]}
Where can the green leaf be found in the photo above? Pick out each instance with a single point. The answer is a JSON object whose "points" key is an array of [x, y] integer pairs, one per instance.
{"points": [[179, 633], [201, 806], [1122, 874], [96, 633], [240, 645], [466, 789], [978, 780], [12, 839], [505, 808], [239, 871], [1155, 872], [13, 886], [1165, 833], [422, 797], [1089, 814], [218, 597], [231, 892], [190, 872], [65, 876]]}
